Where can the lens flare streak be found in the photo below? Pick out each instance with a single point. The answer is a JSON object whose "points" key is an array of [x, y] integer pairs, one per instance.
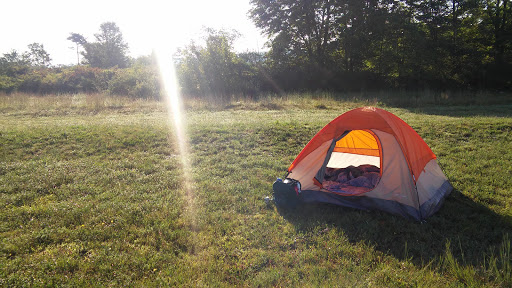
{"points": [[175, 113]]}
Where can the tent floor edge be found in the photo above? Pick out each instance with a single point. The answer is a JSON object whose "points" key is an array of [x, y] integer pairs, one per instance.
{"points": [[431, 206]]}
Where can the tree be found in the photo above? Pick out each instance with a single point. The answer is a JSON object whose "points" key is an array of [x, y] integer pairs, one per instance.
{"points": [[13, 57], [499, 13], [13, 64], [80, 41], [37, 56], [110, 49], [212, 69], [307, 25]]}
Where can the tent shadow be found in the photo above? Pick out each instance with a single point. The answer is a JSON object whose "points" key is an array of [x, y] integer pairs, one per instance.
{"points": [[471, 229]]}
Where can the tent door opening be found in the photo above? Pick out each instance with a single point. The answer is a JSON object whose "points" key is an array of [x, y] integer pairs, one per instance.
{"points": [[353, 164]]}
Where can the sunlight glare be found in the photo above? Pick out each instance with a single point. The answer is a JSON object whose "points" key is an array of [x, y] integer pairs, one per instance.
{"points": [[176, 116], [172, 97]]}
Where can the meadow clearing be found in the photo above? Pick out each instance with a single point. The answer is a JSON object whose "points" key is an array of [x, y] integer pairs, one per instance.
{"points": [[93, 193]]}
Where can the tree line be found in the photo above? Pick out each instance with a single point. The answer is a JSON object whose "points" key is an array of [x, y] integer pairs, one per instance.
{"points": [[103, 66], [372, 44], [330, 45]]}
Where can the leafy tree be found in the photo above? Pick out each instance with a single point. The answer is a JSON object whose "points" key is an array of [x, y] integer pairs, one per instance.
{"points": [[37, 55], [253, 73], [80, 41], [22, 70], [499, 18], [308, 26], [110, 49], [211, 69], [13, 64], [13, 57]]}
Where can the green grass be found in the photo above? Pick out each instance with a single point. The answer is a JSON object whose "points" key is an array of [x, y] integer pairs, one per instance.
{"points": [[92, 193]]}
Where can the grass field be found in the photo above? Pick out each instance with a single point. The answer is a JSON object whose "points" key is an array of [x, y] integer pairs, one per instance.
{"points": [[92, 193]]}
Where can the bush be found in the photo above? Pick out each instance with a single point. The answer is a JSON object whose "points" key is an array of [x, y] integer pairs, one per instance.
{"points": [[135, 82], [8, 84], [140, 81], [79, 79], [40, 81]]}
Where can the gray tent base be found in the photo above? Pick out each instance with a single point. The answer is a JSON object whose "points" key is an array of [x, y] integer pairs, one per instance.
{"points": [[366, 203]]}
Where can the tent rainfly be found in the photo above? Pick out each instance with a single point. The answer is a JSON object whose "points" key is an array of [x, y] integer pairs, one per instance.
{"points": [[367, 158]]}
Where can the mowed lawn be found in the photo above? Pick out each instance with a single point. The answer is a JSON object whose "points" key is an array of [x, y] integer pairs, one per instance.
{"points": [[93, 193]]}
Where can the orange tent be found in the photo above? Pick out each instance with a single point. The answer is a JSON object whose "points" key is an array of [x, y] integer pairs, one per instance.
{"points": [[368, 158]]}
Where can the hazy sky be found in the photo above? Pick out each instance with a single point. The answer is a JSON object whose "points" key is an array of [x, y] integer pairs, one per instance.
{"points": [[145, 24]]}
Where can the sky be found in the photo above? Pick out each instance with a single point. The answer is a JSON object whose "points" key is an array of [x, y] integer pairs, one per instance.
{"points": [[145, 25]]}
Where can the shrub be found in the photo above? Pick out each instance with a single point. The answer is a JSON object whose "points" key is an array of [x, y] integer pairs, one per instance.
{"points": [[135, 82], [8, 84], [79, 79]]}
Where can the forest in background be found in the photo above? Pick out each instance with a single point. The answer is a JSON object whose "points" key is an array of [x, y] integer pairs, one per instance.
{"points": [[328, 45]]}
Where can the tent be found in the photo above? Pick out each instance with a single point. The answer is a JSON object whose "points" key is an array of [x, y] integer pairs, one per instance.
{"points": [[367, 158]]}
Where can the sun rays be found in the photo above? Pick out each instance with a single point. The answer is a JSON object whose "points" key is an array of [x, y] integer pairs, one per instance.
{"points": [[176, 118]]}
